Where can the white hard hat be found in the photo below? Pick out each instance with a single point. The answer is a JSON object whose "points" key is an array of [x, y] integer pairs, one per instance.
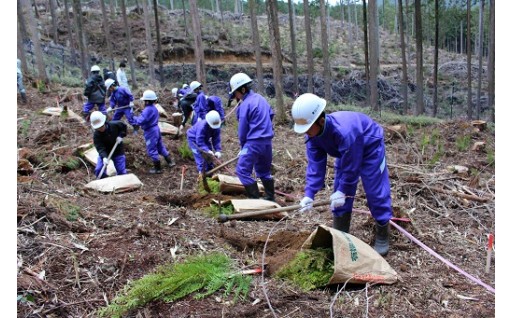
{"points": [[174, 91], [305, 111], [108, 83], [185, 85], [97, 119], [213, 119], [238, 80], [95, 68], [149, 95], [194, 85]]}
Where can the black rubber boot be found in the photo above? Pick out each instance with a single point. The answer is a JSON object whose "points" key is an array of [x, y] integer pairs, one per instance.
{"points": [[252, 191], [170, 161], [157, 167], [382, 239], [269, 189], [342, 223]]}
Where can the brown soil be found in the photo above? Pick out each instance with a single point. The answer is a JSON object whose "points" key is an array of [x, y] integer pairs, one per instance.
{"points": [[71, 268]]}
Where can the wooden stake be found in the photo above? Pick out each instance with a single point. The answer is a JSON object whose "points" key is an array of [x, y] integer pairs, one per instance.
{"points": [[489, 253]]}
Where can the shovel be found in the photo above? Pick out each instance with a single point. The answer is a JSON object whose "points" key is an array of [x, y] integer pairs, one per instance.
{"points": [[224, 218], [222, 165], [109, 156]]}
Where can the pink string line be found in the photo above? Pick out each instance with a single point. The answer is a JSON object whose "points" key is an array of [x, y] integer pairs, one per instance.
{"points": [[428, 249]]}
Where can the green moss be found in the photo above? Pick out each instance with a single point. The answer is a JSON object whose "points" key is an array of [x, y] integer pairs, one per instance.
{"points": [[310, 269], [214, 210], [185, 150], [212, 184], [198, 275]]}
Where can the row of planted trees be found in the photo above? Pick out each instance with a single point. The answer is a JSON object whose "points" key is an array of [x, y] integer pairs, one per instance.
{"points": [[410, 19]]}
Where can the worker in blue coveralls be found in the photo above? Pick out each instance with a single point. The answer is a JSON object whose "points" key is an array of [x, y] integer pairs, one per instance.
{"points": [[255, 133], [106, 134], [184, 90], [199, 105], [215, 103], [121, 102], [357, 143], [204, 140], [148, 121], [95, 92]]}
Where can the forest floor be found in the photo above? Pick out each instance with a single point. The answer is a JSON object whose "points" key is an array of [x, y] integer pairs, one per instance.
{"points": [[73, 265]]}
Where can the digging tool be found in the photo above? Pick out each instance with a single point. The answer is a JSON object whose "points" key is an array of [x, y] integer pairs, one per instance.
{"points": [[123, 107], [222, 165], [109, 156], [224, 218], [183, 168]]}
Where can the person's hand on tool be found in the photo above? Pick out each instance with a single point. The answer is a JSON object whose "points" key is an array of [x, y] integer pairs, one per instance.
{"points": [[132, 105], [109, 109], [218, 154], [211, 153], [119, 139], [105, 161], [337, 199], [306, 204]]}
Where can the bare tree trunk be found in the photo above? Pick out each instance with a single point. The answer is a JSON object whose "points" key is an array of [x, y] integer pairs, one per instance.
{"points": [[34, 35], [184, 18], [366, 56], [468, 52], [420, 108], [84, 65], [407, 38], [112, 9], [461, 37], [54, 21], [436, 54], [480, 56], [159, 46], [350, 28], [22, 20], [198, 49], [325, 49], [256, 45], [491, 59], [129, 43], [70, 33], [309, 46], [277, 61], [291, 18], [405, 79], [342, 15], [21, 48], [373, 35], [106, 27], [356, 24], [149, 43]]}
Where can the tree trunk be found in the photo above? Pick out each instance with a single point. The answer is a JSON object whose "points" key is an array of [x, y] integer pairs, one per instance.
{"points": [[184, 18], [366, 56], [34, 35], [277, 60], [420, 108], [54, 22], [373, 35], [22, 20], [480, 56], [159, 46], [106, 27], [436, 54], [21, 48], [325, 49], [309, 46], [256, 45], [468, 53], [84, 65], [129, 43], [198, 48], [149, 42], [291, 18], [71, 44], [112, 9], [491, 60], [405, 79]]}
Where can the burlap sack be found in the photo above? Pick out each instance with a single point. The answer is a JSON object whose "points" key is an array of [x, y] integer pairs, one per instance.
{"points": [[117, 184], [354, 261]]}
